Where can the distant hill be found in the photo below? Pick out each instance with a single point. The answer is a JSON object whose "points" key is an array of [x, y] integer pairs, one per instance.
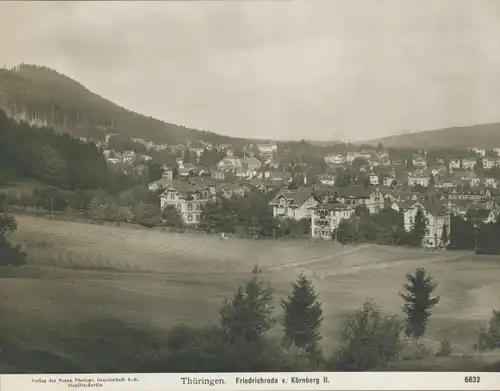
{"points": [[44, 97], [485, 136]]}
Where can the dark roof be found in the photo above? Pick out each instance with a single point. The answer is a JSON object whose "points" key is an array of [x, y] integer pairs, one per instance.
{"points": [[295, 197], [336, 206], [477, 214], [434, 207], [354, 191]]}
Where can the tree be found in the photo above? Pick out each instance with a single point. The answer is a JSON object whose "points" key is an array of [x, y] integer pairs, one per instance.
{"points": [[171, 216], [10, 255], [52, 168], [368, 339], [418, 229], [444, 235], [418, 302], [303, 315], [249, 313]]}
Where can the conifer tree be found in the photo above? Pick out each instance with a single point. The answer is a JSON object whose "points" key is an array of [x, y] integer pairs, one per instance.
{"points": [[303, 315], [418, 229], [249, 313], [418, 302]]}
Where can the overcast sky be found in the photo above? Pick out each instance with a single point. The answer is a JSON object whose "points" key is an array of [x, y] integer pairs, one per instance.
{"points": [[283, 69]]}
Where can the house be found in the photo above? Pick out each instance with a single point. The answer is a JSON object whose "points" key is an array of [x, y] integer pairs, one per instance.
{"points": [[469, 178], [374, 180], [437, 220], [267, 148], [493, 216], [454, 163], [129, 157], [335, 158], [230, 163], [469, 195], [389, 181], [325, 219], [252, 163], [219, 175], [478, 151], [354, 195], [489, 163], [187, 169], [168, 172], [477, 216], [189, 201], [328, 180], [293, 204], [398, 162], [491, 182], [419, 160], [228, 190], [415, 179], [160, 184], [469, 163], [445, 183]]}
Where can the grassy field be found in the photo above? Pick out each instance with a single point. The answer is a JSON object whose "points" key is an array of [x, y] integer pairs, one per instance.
{"points": [[82, 278]]}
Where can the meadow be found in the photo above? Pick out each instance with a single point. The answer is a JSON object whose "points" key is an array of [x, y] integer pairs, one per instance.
{"points": [[89, 285]]}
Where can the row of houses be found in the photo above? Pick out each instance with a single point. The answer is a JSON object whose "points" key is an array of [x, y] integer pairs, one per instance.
{"points": [[327, 207]]}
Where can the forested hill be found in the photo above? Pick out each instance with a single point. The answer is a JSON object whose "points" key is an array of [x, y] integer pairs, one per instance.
{"points": [[482, 135], [54, 159], [44, 97]]}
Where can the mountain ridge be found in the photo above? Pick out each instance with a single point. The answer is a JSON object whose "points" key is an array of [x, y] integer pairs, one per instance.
{"points": [[44, 97], [479, 135]]}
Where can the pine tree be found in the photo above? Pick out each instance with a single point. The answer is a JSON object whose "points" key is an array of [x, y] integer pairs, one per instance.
{"points": [[418, 229], [249, 313], [303, 315], [444, 235], [418, 302]]}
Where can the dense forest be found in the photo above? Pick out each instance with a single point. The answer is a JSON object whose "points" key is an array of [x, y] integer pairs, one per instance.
{"points": [[42, 96], [54, 159]]}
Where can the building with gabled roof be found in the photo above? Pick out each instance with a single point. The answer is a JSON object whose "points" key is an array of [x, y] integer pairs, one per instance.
{"points": [[325, 218], [438, 219], [293, 204]]}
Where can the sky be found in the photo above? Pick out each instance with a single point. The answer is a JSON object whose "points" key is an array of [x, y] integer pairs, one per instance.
{"points": [[324, 70]]}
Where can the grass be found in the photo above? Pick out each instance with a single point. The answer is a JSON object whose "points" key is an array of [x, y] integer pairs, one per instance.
{"points": [[84, 280]]}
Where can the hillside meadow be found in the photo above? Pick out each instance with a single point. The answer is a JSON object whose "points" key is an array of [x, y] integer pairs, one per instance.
{"points": [[89, 287]]}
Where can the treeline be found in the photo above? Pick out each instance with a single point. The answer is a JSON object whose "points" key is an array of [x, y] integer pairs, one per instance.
{"points": [[385, 228], [55, 159], [136, 205], [250, 215]]}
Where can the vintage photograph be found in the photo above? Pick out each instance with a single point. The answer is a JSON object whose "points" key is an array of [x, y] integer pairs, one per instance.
{"points": [[249, 186]]}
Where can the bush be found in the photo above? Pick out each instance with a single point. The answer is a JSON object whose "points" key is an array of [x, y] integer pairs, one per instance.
{"points": [[369, 339], [489, 337], [444, 348]]}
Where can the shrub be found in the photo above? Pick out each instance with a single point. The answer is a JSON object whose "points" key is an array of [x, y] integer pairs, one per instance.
{"points": [[444, 348], [489, 337], [369, 339]]}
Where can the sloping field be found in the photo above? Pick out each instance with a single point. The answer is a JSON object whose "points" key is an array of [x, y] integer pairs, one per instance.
{"points": [[63, 243], [158, 279]]}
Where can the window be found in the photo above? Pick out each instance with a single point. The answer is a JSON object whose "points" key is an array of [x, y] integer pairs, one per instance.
{"points": [[179, 206], [190, 206], [190, 217], [197, 217], [172, 196]]}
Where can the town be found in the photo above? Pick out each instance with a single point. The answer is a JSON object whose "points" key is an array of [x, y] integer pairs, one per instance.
{"points": [[321, 190]]}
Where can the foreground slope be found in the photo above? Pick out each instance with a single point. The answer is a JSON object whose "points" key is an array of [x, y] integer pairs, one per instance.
{"points": [[80, 273], [43, 96], [484, 136]]}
